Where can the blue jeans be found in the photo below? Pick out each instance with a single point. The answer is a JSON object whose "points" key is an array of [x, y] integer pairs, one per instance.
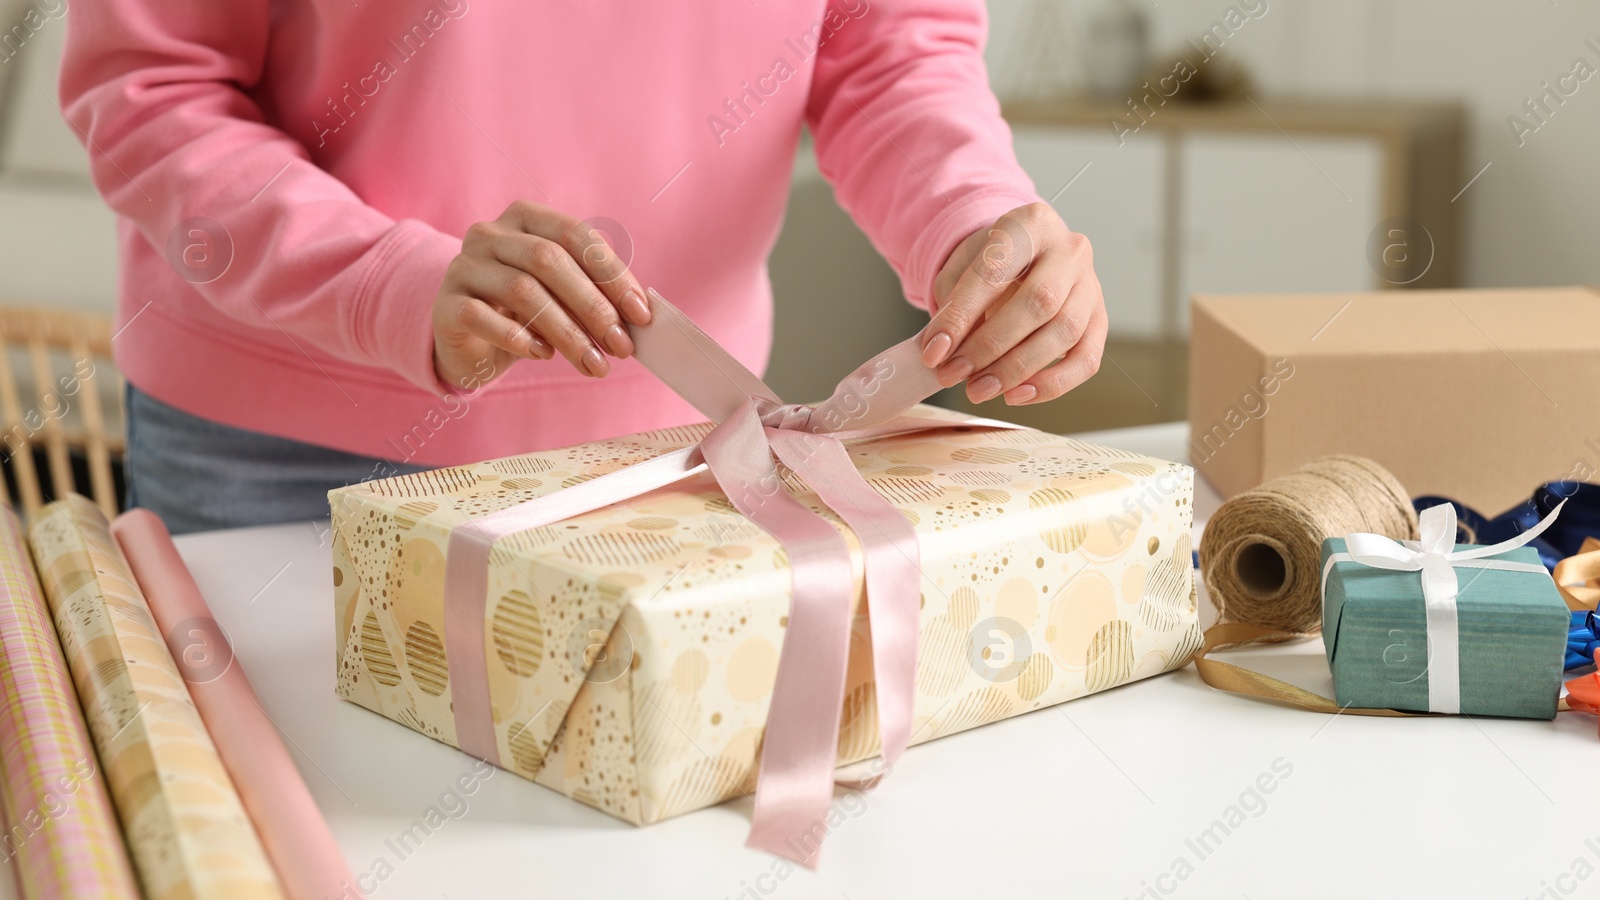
{"points": [[199, 475]]}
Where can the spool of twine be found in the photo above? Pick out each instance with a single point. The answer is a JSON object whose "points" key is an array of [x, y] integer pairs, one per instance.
{"points": [[1260, 554]]}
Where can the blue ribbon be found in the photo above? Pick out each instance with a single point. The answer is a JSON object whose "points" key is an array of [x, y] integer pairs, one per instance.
{"points": [[1582, 640], [1579, 520]]}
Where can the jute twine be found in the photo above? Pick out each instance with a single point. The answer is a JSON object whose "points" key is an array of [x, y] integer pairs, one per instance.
{"points": [[1260, 554]]}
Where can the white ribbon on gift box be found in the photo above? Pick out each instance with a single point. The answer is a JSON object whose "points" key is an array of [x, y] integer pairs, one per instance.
{"points": [[1437, 559]]}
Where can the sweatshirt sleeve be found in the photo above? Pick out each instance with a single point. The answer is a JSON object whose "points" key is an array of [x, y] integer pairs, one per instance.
{"points": [[908, 131], [158, 91]]}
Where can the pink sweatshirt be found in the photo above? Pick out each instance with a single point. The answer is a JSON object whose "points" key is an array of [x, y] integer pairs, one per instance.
{"points": [[293, 176]]}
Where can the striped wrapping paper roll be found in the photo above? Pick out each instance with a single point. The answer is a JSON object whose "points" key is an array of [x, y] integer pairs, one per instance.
{"points": [[61, 831], [185, 826]]}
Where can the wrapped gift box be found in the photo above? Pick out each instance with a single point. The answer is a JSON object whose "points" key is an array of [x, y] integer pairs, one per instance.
{"points": [[632, 650], [1512, 632]]}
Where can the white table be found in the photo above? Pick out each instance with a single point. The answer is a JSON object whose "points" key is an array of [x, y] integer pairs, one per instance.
{"points": [[1097, 798]]}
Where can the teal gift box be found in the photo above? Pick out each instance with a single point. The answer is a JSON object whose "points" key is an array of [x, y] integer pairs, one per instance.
{"points": [[1512, 628]]}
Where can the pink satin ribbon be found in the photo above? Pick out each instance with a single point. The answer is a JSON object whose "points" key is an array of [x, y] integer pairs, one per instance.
{"points": [[799, 751]]}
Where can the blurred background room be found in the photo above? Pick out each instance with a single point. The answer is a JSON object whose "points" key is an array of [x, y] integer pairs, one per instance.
{"points": [[1202, 146]]}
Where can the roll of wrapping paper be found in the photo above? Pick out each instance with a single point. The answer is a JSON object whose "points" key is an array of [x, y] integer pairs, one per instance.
{"points": [[61, 834], [291, 827], [1260, 554], [185, 826]]}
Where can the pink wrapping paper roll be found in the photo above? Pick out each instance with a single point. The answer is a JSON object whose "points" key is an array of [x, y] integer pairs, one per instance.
{"points": [[292, 829], [61, 833]]}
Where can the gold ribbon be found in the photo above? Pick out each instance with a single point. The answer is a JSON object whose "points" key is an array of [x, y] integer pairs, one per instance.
{"points": [[1578, 577], [1236, 680]]}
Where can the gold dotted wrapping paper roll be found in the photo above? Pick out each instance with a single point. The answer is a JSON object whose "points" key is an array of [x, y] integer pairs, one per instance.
{"points": [[185, 826], [1261, 553]]}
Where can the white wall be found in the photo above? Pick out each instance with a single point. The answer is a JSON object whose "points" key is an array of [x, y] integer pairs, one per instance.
{"points": [[1534, 215], [56, 237]]}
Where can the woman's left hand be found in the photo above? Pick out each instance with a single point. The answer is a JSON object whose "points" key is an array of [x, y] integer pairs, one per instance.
{"points": [[1019, 310]]}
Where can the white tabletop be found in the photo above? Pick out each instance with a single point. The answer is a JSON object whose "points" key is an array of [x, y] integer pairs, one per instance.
{"points": [[1108, 796]]}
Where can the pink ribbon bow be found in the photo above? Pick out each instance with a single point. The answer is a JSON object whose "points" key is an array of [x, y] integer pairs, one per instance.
{"points": [[794, 787]]}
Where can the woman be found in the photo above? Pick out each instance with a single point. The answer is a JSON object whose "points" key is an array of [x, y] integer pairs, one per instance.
{"points": [[355, 237]]}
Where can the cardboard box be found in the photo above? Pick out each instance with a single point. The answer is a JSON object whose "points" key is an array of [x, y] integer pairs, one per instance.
{"points": [[632, 650], [1476, 395], [1512, 627]]}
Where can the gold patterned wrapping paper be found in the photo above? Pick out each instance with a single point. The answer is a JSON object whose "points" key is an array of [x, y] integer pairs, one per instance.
{"points": [[186, 829], [632, 650]]}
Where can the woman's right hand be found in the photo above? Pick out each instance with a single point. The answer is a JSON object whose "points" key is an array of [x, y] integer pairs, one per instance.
{"points": [[530, 284]]}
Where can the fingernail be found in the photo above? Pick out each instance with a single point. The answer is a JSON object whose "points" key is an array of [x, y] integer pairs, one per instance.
{"points": [[1022, 393], [618, 342], [538, 349], [595, 363], [635, 308], [936, 349], [955, 370], [983, 388]]}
